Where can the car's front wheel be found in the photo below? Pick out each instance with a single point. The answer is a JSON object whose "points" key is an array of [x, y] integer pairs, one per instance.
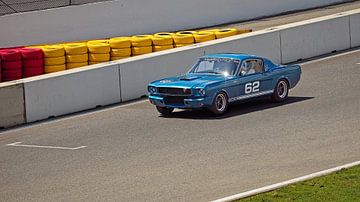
{"points": [[220, 104], [164, 110], [281, 91]]}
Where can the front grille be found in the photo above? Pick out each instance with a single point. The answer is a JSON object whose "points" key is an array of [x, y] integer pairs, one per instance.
{"points": [[174, 100], [174, 91]]}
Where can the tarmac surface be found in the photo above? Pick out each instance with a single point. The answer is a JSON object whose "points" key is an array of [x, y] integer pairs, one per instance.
{"points": [[134, 154]]}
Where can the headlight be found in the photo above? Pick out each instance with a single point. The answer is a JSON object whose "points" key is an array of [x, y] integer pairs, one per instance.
{"points": [[152, 89], [201, 92]]}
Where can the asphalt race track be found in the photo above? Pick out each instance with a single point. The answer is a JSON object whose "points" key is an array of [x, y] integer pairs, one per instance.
{"points": [[133, 154]]}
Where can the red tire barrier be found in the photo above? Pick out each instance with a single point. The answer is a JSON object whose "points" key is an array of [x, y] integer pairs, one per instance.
{"points": [[0, 71], [10, 55], [9, 75], [11, 48], [32, 63], [31, 53], [33, 71], [11, 65]]}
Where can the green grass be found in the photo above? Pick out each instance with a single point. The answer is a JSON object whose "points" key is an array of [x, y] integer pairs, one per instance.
{"points": [[340, 186]]}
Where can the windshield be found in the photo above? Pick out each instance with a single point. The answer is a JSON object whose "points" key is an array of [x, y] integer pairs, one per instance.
{"points": [[223, 66]]}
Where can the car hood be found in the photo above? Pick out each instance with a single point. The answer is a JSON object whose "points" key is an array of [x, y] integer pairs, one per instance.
{"points": [[189, 81]]}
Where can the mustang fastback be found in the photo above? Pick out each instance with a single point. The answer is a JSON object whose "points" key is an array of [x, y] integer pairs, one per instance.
{"points": [[217, 80]]}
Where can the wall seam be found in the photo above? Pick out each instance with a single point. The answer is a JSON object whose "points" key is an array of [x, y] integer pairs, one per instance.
{"points": [[350, 31], [24, 96], [119, 70]]}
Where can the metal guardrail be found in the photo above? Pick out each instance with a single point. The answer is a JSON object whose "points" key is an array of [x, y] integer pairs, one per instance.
{"points": [[18, 6]]}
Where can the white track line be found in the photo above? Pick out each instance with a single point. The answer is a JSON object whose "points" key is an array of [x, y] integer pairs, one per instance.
{"points": [[285, 183], [18, 144]]}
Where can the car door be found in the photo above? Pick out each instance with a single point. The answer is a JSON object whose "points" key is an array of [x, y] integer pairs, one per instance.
{"points": [[252, 80]]}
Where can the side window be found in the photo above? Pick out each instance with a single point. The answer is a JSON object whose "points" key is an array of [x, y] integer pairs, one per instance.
{"points": [[259, 66], [251, 67]]}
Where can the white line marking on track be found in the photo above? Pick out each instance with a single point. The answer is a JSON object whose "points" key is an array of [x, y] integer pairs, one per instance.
{"points": [[18, 144], [285, 183]]}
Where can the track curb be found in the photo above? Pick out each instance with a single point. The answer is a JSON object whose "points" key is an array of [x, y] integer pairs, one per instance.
{"points": [[285, 183]]}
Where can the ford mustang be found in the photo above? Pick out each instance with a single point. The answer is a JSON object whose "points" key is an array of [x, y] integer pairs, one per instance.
{"points": [[216, 80]]}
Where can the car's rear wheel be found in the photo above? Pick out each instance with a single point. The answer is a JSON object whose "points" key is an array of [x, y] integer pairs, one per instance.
{"points": [[220, 104], [164, 110], [281, 91]]}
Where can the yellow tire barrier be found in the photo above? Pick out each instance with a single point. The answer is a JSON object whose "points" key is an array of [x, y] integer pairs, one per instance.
{"points": [[161, 48], [186, 32], [53, 50], [141, 50], [211, 30], [77, 58], [243, 31], [93, 63], [120, 52], [75, 48], [120, 42], [183, 38], [99, 41], [160, 34], [162, 40], [203, 36], [141, 40], [178, 45], [98, 47], [117, 58], [72, 65], [54, 61], [101, 57], [222, 33], [54, 68]]}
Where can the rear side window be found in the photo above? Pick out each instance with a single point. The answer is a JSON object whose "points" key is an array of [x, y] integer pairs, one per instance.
{"points": [[251, 66]]}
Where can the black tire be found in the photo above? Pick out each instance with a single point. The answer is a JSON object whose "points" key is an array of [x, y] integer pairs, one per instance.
{"points": [[164, 110], [281, 91], [220, 104]]}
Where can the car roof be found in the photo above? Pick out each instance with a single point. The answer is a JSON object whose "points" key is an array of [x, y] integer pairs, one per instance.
{"points": [[240, 56]]}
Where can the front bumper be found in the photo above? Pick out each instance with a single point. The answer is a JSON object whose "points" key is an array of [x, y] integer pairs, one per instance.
{"points": [[187, 104]]}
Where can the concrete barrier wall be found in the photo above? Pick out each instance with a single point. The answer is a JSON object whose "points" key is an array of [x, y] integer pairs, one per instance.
{"points": [[71, 91], [125, 17], [137, 73], [12, 107], [314, 37], [355, 30]]}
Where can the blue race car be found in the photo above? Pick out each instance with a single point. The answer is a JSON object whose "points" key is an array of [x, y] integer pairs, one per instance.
{"points": [[216, 80]]}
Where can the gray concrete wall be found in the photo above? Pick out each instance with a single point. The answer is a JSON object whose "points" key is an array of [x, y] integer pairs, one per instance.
{"points": [[12, 106]]}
